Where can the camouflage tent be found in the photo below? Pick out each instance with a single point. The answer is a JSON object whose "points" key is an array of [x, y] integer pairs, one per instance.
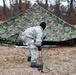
{"points": [[57, 29]]}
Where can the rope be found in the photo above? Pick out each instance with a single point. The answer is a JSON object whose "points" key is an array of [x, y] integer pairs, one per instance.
{"points": [[47, 69], [42, 68]]}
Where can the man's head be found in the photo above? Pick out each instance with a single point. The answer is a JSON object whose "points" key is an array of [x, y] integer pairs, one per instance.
{"points": [[43, 25]]}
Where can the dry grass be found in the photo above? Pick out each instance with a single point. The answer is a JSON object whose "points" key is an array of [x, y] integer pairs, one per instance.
{"points": [[60, 61]]}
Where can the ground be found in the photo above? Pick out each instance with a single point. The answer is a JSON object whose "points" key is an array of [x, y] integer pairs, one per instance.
{"points": [[60, 61]]}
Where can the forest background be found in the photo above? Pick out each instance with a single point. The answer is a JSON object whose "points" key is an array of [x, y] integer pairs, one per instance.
{"points": [[65, 9]]}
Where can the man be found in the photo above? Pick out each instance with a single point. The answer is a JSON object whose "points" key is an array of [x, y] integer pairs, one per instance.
{"points": [[33, 38]]}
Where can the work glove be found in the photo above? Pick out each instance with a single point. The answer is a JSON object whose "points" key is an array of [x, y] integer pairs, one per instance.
{"points": [[39, 48], [44, 37]]}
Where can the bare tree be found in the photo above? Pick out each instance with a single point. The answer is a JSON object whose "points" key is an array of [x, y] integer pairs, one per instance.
{"points": [[16, 8], [71, 7], [4, 7], [11, 8], [20, 8], [46, 4], [57, 7]]}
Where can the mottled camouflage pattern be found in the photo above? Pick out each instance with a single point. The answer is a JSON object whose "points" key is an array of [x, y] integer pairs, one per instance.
{"points": [[56, 30]]}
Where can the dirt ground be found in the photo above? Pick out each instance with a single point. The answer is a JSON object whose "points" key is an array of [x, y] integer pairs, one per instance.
{"points": [[60, 61]]}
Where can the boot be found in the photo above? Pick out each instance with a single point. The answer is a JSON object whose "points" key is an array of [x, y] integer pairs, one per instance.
{"points": [[35, 65], [29, 58]]}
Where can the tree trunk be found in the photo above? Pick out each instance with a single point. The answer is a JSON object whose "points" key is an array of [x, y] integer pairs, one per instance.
{"points": [[46, 4], [71, 7], [20, 8], [57, 8], [17, 8], [4, 8]]}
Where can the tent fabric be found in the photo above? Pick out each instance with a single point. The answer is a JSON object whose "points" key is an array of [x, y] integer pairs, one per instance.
{"points": [[56, 29]]}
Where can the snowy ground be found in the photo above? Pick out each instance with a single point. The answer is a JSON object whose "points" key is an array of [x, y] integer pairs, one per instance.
{"points": [[60, 61]]}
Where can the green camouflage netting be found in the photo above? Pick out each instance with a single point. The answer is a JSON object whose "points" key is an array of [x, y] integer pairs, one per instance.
{"points": [[57, 29]]}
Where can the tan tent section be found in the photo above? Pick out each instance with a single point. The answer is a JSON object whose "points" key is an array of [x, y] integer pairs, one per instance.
{"points": [[57, 29]]}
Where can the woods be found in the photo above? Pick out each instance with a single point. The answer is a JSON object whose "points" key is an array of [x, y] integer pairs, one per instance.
{"points": [[63, 9]]}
